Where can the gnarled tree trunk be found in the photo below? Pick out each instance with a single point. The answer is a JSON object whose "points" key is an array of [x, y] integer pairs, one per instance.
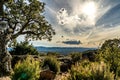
{"points": [[5, 57]]}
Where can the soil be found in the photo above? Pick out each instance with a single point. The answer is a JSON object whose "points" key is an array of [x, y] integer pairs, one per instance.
{"points": [[5, 78]]}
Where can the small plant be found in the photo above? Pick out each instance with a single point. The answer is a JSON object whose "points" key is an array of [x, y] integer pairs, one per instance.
{"points": [[52, 63], [29, 69]]}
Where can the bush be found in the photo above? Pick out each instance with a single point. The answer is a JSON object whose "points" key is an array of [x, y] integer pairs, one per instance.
{"points": [[52, 54], [23, 48], [76, 56], [91, 71], [118, 73], [64, 67], [89, 54], [29, 69], [52, 63]]}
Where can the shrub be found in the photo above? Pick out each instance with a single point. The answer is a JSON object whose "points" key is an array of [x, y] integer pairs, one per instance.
{"points": [[76, 56], [89, 54], [118, 73], [64, 67], [23, 48], [53, 54], [52, 63], [29, 69], [16, 59], [91, 71]]}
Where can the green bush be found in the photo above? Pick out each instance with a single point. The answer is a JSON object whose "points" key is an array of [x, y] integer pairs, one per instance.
{"points": [[23, 48], [29, 69], [76, 56], [52, 63], [91, 71]]}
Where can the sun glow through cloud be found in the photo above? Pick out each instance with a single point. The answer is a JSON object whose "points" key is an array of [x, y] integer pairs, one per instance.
{"points": [[90, 21], [85, 15], [89, 8]]}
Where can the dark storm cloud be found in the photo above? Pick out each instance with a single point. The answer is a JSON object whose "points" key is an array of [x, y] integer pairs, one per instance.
{"points": [[72, 42]]}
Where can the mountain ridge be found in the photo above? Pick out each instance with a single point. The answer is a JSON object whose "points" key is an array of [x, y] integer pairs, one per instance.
{"points": [[62, 50]]}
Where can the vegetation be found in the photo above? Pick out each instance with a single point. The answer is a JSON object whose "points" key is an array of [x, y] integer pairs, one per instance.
{"points": [[24, 48], [103, 64], [52, 64], [29, 69], [110, 53], [91, 71], [52, 54], [76, 56], [90, 54], [22, 18]]}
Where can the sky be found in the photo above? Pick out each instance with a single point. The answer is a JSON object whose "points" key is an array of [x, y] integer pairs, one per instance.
{"points": [[81, 23]]}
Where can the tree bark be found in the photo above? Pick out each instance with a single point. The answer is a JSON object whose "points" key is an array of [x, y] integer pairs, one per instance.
{"points": [[5, 57], [1, 7]]}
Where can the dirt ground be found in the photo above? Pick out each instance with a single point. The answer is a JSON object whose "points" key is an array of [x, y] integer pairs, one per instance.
{"points": [[5, 78]]}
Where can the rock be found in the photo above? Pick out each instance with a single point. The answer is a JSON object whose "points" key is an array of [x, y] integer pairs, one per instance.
{"points": [[47, 75]]}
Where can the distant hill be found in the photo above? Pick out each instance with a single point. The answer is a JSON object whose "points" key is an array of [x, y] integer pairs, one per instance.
{"points": [[63, 50]]}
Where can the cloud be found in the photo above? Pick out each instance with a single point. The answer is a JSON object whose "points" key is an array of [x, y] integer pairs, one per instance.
{"points": [[71, 19], [68, 20], [109, 16], [72, 42]]}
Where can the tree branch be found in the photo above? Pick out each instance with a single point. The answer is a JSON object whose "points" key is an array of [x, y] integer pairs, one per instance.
{"points": [[25, 32], [29, 32]]}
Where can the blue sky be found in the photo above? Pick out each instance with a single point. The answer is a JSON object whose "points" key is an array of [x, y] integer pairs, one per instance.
{"points": [[82, 23]]}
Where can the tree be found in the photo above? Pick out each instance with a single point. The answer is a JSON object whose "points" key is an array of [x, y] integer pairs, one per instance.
{"points": [[24, 48], [110, 53], [21, 17]]}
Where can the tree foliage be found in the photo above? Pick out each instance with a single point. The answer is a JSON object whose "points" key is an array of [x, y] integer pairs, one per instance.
{"points": [[26, 17], [21, 17], [24, 48], [110, 53]]}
